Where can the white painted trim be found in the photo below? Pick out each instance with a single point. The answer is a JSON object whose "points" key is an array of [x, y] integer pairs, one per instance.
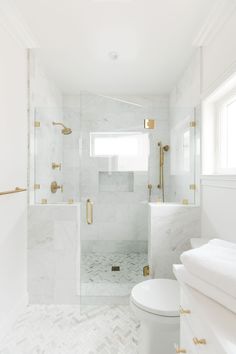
{"points": [[6, 323], [219, 182], [229, 72], [13, 22], [216, 19]]}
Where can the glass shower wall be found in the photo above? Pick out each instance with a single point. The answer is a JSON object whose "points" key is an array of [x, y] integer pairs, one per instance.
{"points": [[183, 155], [56, 161], [114, 177]]}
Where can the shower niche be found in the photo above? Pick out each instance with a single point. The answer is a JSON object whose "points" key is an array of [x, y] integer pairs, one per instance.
{"points": [[116, 181]]}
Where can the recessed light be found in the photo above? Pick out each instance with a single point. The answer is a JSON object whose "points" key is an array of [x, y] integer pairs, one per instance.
{"points": [[113, 55]]}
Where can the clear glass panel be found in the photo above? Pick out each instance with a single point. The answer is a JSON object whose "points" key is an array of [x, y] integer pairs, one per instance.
{"points": [[182, 151], [56, 155]]}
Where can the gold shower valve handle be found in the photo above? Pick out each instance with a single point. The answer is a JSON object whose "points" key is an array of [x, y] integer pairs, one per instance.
{"points": [[55, 187]]}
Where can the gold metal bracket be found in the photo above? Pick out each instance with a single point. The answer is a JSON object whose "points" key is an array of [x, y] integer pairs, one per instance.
{"points": [[146, 271], [37, 124], [44, 201], [37, 186], [192, 187], [185, 201], [192, 124], [149, 123]]}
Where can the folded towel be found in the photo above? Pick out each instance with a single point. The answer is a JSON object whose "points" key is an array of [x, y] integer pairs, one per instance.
{"points": [[214, 264], [222, 243]]}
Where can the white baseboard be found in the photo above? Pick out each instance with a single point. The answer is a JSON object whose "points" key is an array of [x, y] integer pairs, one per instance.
{"points": [[7, 322]]}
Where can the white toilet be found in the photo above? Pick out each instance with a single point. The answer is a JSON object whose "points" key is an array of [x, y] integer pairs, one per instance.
{"points": [[155, 303]]}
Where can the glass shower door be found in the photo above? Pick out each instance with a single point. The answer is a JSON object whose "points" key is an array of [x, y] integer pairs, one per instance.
{"points": [[114, 165]]}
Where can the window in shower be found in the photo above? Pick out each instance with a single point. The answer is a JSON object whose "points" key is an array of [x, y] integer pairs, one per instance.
{"points": [[127, 151]]}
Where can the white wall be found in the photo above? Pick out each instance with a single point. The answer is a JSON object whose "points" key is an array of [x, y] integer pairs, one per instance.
{"points": [[13, 162], [218, 62], [219, 193]]}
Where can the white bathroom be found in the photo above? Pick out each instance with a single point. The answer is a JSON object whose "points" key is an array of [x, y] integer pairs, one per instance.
{"points": [[118, 183]]}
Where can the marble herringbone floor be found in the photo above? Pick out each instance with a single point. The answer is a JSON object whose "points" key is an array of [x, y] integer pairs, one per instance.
{"points": [[69, 329]]}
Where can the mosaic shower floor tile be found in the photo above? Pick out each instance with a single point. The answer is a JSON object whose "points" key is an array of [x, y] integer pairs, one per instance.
{"points": [[66, 329], [97, 278]]}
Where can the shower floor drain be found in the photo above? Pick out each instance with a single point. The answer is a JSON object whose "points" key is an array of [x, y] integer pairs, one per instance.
{"points": [[115, 268]]}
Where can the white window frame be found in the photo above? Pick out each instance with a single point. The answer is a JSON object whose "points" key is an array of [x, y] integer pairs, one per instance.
{"points": [[220, 106]]}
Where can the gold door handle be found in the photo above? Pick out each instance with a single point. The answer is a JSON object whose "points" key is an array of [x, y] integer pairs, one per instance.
{"points": [[184, 311], [197, 341], [16, 190], [89, 212]]}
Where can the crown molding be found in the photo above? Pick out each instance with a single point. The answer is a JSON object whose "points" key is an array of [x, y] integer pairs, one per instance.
{"points": [[216, 19], [14, 23]]}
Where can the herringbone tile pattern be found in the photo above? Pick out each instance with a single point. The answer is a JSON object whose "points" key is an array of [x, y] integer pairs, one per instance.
{"points": [[62, 329]]}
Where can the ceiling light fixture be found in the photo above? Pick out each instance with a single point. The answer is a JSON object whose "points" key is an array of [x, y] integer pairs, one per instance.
{"points": [[113, 55]]}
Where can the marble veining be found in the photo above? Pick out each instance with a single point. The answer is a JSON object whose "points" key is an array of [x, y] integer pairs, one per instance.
{"points": [[60, 329]]}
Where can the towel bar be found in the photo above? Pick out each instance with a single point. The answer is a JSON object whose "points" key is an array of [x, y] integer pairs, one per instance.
{"points": [[16, 190]]}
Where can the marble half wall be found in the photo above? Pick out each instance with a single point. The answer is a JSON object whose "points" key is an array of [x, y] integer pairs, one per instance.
{"points": [[54, 254], [171, 226]]}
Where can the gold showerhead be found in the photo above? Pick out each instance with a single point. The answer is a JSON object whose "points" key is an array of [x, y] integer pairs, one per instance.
{"points": [[65, 130]]}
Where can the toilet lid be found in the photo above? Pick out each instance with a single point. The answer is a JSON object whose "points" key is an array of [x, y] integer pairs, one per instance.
{"points": [[157, 296]]}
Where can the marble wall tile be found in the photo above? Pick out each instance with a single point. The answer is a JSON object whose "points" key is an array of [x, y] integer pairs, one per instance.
{"points": [[54, 253], [171, 226]]}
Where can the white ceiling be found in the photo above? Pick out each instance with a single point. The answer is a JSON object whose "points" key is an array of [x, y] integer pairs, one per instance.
{"points": [[153, 39]]}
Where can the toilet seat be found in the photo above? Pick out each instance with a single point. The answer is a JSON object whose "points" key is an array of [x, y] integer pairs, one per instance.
{"points": [[157, 296]]}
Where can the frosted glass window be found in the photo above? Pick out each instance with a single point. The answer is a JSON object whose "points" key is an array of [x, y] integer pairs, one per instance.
{"points": [[226, 137], [126, 151]]}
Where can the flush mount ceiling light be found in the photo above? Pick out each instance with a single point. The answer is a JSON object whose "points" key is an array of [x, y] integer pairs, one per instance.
{"points": [[113, 55]]}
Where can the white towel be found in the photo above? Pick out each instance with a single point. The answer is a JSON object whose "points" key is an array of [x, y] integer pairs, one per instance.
{"points": [[222, 243], [214, 264]]}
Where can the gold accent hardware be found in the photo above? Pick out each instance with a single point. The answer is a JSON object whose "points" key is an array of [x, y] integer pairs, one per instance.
{"points": [[162, 149], [89, 212], [115, 268], [37, 186], [37, 124], [179, 350], [149, 123], [56, 165], [184, 311], [197, 341], [44, 201], [149, 192], [192, 124], [185, 201], [16, 190], [65, 130], [146, 271], [55, 187], [192, 187], [70, 201]]}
